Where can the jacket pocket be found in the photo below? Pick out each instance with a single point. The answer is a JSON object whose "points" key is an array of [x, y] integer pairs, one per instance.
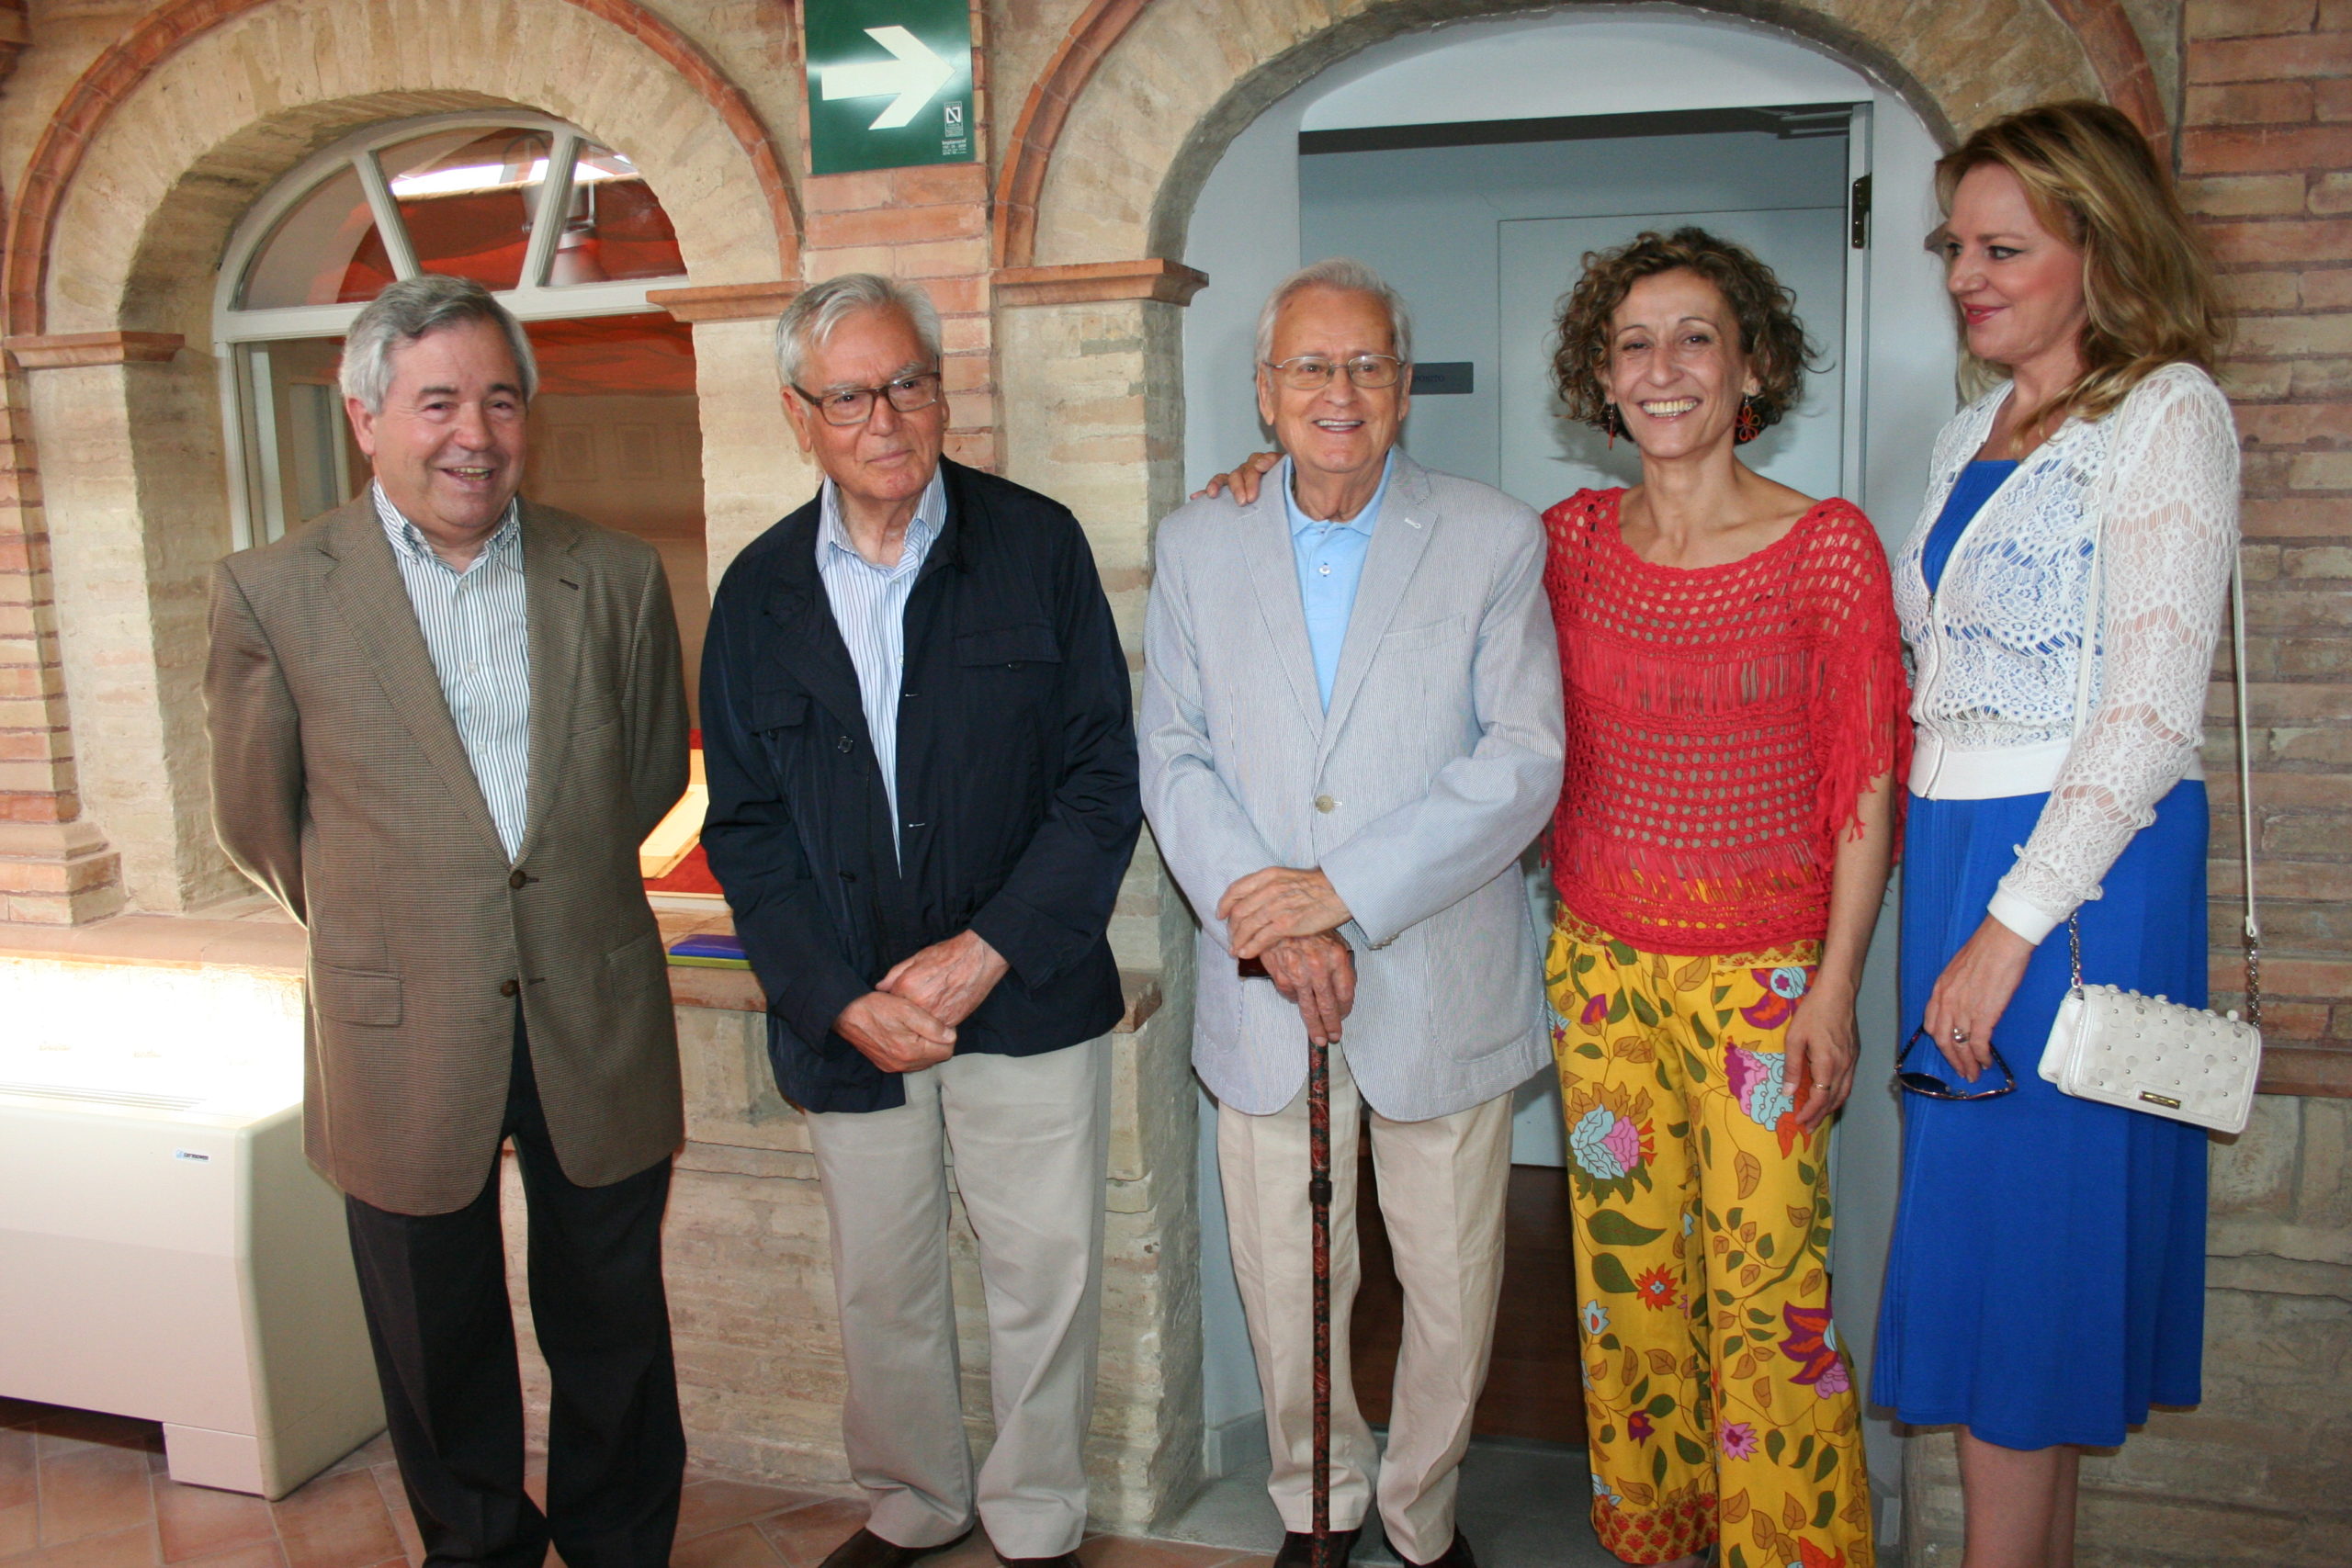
{"points": [[778, 709], [1413, 638], [351, 995], [1029, 643], [594, 709], [630, 967]]}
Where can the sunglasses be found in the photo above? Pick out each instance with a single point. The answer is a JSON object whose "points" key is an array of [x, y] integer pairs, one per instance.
{"points": [[1934, 1088]]}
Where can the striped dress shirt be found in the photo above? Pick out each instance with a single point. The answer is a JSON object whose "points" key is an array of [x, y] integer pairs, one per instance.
{"points": [[870, 607], [477, 631]]}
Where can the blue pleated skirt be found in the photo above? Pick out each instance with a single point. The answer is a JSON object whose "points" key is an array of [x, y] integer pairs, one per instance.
{"points": [[2047, 1279]]}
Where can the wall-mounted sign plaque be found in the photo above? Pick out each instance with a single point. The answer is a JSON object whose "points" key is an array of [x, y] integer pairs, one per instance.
{"points": [[890, 84]]}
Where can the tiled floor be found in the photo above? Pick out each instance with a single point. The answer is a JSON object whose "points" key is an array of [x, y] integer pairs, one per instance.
{"points": [[1522, 1505], [84, 1491]]}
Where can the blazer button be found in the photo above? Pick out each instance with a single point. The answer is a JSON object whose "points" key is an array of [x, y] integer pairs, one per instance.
{"points": [[508, 988], [516, 879], [844, 745], [1325, 805]]}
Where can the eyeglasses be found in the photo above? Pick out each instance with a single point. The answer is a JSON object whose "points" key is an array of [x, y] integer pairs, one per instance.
{"points": [[1312, 372], [855, 405], [1934, 1088]]}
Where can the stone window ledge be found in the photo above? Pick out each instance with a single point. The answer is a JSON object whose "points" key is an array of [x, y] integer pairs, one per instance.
{"points": [[253, 934]]}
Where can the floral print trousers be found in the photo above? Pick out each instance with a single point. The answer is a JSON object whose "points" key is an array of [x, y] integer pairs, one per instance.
{"points": [[1718, 1404]]}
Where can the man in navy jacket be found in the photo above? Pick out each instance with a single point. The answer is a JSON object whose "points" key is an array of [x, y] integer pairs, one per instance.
{"points": [[922, 765]]}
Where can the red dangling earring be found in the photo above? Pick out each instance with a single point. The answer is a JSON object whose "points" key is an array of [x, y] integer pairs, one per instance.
{"points": [[1612, 423], [1749, 424]]}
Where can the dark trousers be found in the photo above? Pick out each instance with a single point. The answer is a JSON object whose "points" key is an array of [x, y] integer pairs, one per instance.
{"points": [[434, 1289]]}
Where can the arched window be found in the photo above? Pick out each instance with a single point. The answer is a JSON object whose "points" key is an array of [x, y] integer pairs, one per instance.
{"points": [[569, 236]]}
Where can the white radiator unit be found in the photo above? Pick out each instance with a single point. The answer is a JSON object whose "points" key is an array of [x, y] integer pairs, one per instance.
{"points": [[165, 1251]]}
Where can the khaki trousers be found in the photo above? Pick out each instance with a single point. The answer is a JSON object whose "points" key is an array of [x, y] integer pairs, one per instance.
{"points": [[1030, 1136], [1442, 1187]]}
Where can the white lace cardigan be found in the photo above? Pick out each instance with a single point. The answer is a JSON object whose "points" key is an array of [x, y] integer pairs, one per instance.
{"points": [[1995, 649]]}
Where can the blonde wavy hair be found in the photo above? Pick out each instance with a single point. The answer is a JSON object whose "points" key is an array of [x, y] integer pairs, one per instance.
{"points": [[2147, 281]]}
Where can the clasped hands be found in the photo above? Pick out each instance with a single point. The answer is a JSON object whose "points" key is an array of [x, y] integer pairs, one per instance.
{"points": [[908, 1021], [1284, 918]]}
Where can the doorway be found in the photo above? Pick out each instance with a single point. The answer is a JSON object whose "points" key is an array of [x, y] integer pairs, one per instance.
{"points": [[1663, 117], [1480, 226]]}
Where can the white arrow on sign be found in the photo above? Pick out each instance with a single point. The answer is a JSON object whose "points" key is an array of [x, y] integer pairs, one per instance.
{"points": [[914, 72]]}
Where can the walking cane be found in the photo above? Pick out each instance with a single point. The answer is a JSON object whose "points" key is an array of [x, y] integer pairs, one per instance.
{"points": [[1318, 1202]]}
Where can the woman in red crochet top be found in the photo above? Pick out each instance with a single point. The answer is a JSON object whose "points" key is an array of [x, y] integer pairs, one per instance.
{"points": [[1736, 713]]}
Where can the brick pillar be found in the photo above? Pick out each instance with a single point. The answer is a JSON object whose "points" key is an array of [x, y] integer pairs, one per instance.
{"points": [[930, 226], [2266, 160], [55, 867]]}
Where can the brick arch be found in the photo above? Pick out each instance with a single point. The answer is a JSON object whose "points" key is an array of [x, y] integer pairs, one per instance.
{"points": [[1933, 61], [111, 85]]}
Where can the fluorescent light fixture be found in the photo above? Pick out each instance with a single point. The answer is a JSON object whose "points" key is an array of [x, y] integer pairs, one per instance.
{"points": [[464, 178]]}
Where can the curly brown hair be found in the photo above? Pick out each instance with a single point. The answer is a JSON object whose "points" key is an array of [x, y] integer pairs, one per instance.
{"points": [[1770, 336]]}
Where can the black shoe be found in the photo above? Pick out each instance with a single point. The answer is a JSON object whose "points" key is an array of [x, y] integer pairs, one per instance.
{"points": [[1299, 1548], [1060, 1559], [1456, 1555], [867, 1550]]}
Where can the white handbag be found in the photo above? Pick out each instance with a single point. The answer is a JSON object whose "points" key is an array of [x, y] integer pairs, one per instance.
{"points": [[2145, 1053]]}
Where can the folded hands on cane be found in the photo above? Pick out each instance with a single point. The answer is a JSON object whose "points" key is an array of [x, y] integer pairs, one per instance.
{"points": [[1317, 975], [1284, 918]]}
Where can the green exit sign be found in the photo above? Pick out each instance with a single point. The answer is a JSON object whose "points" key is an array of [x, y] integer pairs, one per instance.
{"points": [[890, 84]]}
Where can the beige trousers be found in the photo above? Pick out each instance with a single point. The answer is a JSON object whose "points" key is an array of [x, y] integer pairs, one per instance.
{"points": [[1442, 1187], [1030, 1135]]}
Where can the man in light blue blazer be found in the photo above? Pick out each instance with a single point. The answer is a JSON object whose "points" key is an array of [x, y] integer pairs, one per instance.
{"points": [[1351, 730]]}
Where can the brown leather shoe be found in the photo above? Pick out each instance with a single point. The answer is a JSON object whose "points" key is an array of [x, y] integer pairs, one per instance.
{"points": [[867, 1550], [1299, 1548], [1456, 1555]]}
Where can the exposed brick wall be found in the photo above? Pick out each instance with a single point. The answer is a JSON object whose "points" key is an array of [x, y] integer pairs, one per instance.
{"points": [[2266, 160], [36, 769], [927, 224], [55, 868]]}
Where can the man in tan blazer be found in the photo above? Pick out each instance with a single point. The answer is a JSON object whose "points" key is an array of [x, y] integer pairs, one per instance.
{"points": [[442, 718]]}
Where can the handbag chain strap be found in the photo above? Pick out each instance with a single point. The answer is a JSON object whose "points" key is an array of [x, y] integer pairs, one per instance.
{"points": [[2252, 931]]}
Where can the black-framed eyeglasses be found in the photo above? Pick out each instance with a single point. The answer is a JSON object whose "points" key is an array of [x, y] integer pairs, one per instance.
{"points": [[1935, 1087], [855, 405], [1312, 372]]}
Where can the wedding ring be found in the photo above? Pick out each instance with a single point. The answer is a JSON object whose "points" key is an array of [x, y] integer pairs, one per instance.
{"points": [[1959, 1035]]}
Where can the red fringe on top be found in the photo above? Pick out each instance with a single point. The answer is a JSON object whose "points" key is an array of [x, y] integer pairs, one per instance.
{"points": [[1723, 724]]}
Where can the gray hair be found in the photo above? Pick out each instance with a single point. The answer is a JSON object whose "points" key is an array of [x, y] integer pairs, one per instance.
{"points": [[817, 309], [1349, 278], [407, 310]]}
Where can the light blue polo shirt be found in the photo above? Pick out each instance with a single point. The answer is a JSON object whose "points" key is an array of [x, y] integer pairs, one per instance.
{"points": [[1331, 564]]}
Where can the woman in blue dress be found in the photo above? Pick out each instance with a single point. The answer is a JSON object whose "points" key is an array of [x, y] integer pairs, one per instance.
{"points": [[2061, 604]]}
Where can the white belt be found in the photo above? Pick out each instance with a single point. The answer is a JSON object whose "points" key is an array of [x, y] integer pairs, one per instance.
{"points": [[1940, 771]]}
